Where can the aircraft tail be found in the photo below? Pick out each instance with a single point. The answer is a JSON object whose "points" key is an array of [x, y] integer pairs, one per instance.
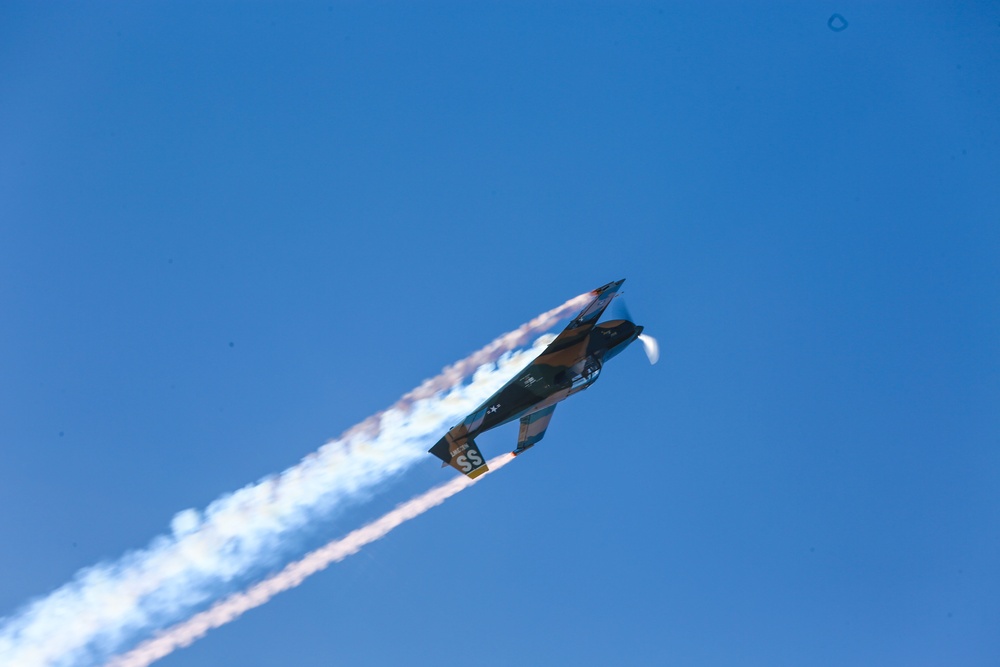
{"points": [[462, 454]]}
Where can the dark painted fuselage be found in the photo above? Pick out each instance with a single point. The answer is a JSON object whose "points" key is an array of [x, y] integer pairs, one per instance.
{"points": [[570, 364], [567, 367], [559, 372]]}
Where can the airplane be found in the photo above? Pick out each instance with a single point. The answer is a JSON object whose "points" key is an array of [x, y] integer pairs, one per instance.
{"points": [[570, 364]]}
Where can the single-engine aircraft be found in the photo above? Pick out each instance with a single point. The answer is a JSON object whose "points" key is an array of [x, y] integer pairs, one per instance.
{"points": [[570, 364]]}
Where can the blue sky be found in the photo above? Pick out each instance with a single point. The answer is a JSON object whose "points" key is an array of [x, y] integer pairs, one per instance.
{"points": [[228, 232]]}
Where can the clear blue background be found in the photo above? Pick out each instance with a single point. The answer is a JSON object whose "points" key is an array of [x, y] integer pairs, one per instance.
{"points": [[354, 195]]}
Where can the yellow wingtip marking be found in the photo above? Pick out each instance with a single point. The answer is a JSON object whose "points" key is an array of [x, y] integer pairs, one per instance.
{"points": [[477, 472]]}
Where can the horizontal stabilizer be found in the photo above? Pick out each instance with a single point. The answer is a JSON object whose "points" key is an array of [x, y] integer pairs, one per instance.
{"points": [[533, 428]]}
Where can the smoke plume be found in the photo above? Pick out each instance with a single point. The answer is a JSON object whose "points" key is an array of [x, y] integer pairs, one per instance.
{"points": [[110, 606], [228, 610]]}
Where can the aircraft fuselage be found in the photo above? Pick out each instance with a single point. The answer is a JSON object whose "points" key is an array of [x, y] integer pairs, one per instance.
{"points": [[570, 364]]}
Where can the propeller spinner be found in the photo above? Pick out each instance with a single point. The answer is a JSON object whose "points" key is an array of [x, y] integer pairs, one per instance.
{"points": [[649, 343]]}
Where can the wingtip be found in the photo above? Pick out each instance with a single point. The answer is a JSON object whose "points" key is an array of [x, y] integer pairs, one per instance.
{"points": [[604, 288]]}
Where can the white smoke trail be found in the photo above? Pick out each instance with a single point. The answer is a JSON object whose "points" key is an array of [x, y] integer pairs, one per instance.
{"points": [[228, 610], [110, 605]]}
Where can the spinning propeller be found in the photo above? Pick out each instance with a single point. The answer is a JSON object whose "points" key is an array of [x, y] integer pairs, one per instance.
{"points": [[651, 347], [649, 344]]}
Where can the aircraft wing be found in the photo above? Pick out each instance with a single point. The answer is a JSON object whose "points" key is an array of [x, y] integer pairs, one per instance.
{"points": [[602, 298], [585, 321], [533, 428]]}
